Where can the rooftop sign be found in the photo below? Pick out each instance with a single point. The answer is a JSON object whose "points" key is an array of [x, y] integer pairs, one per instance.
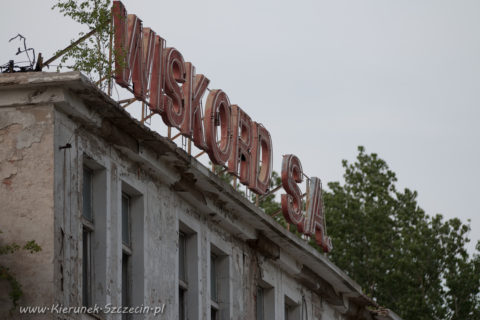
{"points": [[171, 88]]}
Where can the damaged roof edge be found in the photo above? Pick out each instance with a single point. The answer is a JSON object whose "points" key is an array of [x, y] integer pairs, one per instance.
{"points": [[80, 85]]}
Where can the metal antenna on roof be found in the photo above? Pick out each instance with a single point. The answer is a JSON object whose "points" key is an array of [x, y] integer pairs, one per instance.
{"points": [[12, 66]]}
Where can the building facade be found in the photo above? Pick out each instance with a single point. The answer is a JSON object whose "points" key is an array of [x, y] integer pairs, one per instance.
{"points": [[125, 218]]}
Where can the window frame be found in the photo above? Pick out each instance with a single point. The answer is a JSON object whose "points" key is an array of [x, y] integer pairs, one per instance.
{"points": [[182, 275], [291, 308], [214, 301], [126, 255], [88, 228], [260, 303]]}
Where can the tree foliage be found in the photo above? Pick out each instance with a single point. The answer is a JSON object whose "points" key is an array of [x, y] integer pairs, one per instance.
{"points": [[407, 260], [91, 55]]}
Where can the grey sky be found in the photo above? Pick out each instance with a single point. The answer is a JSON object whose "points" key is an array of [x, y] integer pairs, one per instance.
{"points": [[401, 78]]}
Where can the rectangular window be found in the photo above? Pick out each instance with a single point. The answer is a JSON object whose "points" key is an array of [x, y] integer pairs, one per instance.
{"points": [[213, 287], [214, 314], [265, 308], [182, 275], [92, 232], [86, 268], [87, 208], [213, 278], [189, 293], [87, 235], [126, 253], [219, 274], [126, 220], [181, 257], [181, 304], [125, 280], [292, 309], [131, 216], [260, 303]]}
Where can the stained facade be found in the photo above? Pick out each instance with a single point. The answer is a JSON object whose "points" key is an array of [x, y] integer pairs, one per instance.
{"points": [[126, 218]]}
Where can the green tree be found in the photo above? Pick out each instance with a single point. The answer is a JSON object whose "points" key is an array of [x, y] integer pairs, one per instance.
{"points": [[407, 260], [90, 56]]}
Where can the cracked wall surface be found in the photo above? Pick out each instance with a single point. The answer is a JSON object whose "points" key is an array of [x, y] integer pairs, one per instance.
{"points": [[26, 199], [165, 214]]}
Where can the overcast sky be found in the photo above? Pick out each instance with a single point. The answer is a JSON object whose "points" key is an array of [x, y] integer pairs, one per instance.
{"points": [[401, 78]]}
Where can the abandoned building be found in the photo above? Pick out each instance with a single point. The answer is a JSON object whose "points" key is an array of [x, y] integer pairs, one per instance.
{"points": [[125, 217]]}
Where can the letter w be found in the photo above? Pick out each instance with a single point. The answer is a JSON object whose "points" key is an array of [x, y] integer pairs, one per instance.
{"points": [[134, 50]]}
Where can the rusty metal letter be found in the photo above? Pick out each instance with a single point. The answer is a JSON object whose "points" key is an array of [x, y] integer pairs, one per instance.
{"points": [[142, 70], [193, 90], [241, 157], [132, 58], [174, 111], [261, 167], [122, 70], [135, 54], [315, 217], [157, 80], [218, 113], [292, 201]]}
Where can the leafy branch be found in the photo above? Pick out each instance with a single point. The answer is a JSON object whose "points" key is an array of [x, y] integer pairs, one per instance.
{"points": [[90, 56], [5, 274]]}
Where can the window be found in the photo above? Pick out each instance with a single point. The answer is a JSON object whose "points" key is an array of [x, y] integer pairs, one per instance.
{"points": [[86, 268], [265, 302], [87, 208], [92, 233], [213, 287], [126, 220], [189, 306], [131, 217], [260, 307], [87, 235], [292, 309], [220, 295], [182, 276], [126, 253]]}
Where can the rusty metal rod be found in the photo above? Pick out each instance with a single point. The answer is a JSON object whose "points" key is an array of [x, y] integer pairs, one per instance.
{"points": [[176, 136], [139, 99], [276, 213], [104, 78], [62, 52], [270, 192], [307, 202], [110, 48], [132, 101], [198, 155], [126, 100], [149, 116]]}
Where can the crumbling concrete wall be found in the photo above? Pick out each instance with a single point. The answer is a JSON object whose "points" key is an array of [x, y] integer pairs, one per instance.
{"points": [[165, 210], [26, 201]]}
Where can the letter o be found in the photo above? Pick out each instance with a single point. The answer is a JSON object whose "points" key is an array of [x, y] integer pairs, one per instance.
{"points": [[218, 114]]}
